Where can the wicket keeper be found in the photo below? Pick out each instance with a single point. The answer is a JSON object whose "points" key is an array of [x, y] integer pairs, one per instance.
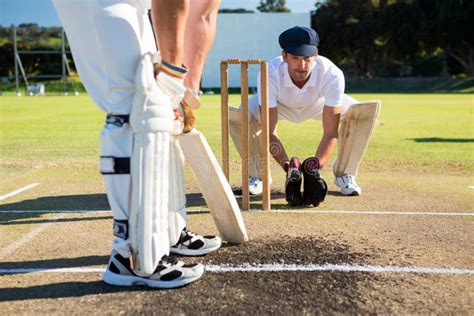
{"points": [[306, 86]]}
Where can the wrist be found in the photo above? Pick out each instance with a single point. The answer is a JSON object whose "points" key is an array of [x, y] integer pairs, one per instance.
{"points": [[312, 165], [285, 165], [173, 70], [172, 86], [320, 162], [321, 165]]}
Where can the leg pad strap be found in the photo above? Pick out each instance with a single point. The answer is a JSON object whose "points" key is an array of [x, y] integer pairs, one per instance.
{"points": [[114, 165], [117, 119], [121, 228]]}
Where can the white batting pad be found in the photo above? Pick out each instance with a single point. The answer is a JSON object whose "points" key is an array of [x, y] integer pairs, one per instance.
{"points": [[354, 136], [177, 195], [214, 187], [151, 119]]}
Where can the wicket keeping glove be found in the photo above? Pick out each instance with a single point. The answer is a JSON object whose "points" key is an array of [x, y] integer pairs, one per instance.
{"points": [[315, 188]]}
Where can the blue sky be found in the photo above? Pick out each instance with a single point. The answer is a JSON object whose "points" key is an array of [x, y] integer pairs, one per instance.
{"points": [[42, 11]]}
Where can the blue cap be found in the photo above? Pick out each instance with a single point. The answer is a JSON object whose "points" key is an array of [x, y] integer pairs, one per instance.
{"points": [[299, 41]]}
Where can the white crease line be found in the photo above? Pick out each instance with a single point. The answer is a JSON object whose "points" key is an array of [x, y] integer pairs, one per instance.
{"points": [[275, 268], [333, 268], [3, 197], [273, 211], [374, 213], [58, 270], [54, 211], [471, 187], [23, 240]]}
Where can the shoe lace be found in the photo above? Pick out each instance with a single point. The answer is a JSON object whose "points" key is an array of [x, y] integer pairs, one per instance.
{"points": [[168, 260], [349, 179], [253, 180], [186, 235]]}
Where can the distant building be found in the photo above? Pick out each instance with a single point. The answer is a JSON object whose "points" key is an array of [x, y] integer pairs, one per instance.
{"points": [[247, 36]]}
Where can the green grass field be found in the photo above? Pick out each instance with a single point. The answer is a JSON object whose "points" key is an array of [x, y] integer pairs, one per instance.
{"points": [[421, 133], [426, 141]]}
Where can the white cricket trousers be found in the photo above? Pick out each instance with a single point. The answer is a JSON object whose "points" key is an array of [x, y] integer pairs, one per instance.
{"points": [[294, 115], [107, 39]]}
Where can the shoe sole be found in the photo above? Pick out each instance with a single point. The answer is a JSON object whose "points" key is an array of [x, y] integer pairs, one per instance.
{"points": [[353, 193], [193, 252], [126, 280]]}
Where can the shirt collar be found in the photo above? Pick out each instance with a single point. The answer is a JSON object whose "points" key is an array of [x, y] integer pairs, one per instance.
{"points": [[313, 78]]}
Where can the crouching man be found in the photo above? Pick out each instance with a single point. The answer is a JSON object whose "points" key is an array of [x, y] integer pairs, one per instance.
{"points": [[302, 86]]}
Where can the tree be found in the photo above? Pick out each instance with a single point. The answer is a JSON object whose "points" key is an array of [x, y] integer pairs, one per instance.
{"points": [[397, 37], [449, 25], [349, 35], [31, 37], [272, 6]]}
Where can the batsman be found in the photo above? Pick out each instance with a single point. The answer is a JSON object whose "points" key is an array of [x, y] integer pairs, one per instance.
{"points": [[150, 101], [306, 86]]}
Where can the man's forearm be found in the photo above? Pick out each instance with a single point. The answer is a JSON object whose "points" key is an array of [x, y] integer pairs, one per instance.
{"points": [[325, 149], [169, 20], [277, 150], [199, 34]]}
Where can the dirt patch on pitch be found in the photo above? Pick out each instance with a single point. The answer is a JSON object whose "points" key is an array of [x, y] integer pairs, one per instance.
{"points": [[290, 292], [274, 249]]}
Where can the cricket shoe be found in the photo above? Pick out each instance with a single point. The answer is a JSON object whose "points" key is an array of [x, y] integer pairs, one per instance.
{"points": [[255, 185], [191, 244], [293, 183], [348, 185], [170, 273]]}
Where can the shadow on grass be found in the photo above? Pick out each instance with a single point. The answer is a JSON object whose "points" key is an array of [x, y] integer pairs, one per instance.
{"points": [[35, 209], [441, 140], [98, 202], [32, 211], [17, 221], [90, 202], [84, 202], [57, 263], [62, 290]]}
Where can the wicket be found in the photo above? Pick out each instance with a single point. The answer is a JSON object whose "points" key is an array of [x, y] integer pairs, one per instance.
{"points": [[245, 126]]}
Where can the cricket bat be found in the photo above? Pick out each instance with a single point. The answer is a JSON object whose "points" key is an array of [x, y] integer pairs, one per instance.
{"points": [[214, 187]]}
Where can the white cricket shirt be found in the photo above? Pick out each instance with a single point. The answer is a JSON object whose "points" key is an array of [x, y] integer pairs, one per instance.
{"points": [[324, 87]]}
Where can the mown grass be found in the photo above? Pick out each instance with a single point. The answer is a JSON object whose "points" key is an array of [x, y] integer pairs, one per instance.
{"points": [[421, 133]]}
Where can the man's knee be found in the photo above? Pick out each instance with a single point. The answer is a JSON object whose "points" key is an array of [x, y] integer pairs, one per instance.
{"points": [[234, 115], [354, 136]]}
